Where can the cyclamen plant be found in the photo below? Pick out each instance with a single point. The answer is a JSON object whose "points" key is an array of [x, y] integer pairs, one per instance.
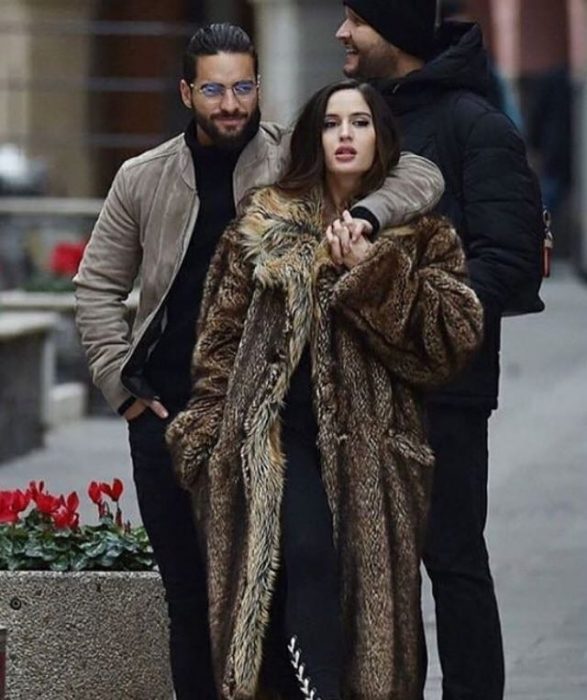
{"points": [[40, 531]]}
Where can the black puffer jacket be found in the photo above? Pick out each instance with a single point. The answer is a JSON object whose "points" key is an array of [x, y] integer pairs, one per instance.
{"points": [[491, 195]]}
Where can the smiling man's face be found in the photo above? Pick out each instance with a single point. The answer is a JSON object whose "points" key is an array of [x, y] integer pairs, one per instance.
{"points": [[368, 54], [226, 119]]}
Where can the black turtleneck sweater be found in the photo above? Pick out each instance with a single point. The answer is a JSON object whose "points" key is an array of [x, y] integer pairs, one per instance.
{"points": [[168, 368]]}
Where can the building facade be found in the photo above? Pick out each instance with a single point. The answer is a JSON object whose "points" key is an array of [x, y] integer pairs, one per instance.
{"points": [[85, 84]]}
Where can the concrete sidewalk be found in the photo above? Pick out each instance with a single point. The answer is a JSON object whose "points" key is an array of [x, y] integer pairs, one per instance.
{"points": [[537, 528]]}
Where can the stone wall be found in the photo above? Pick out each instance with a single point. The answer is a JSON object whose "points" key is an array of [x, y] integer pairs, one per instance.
{"points": [[43, 105]]}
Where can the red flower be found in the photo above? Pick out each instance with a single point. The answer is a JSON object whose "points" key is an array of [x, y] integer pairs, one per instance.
{"points": [[66, 515], [95, 493], [8, 516], [35, 489], [114, 491], [65, 518], [48, 504], [72, 502], [12, 503], [20, 500], [7, 512], [66, 258]]}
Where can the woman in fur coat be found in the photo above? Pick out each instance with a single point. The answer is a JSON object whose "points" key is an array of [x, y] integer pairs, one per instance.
{"points": [[303, 444]]}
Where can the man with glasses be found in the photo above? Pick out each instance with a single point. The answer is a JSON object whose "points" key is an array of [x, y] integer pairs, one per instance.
{"points": [[163, 216]]}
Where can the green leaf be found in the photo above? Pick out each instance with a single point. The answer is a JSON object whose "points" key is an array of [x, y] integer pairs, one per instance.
{"points": [[79, 562], [93, 550], [61, 564]]}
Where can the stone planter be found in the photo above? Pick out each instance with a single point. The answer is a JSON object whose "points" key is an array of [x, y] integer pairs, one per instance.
{"points": [[85, 636]]}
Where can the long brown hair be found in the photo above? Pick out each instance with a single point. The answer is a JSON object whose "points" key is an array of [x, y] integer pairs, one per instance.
{"points": [[306, 168]]}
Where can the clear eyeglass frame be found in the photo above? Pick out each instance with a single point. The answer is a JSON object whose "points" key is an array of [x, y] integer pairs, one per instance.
{"points": [[242, 89]]}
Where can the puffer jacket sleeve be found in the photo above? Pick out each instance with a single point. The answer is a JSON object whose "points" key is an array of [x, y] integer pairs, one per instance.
{"points": [[502, 210], [191, 436], [410, 301]]}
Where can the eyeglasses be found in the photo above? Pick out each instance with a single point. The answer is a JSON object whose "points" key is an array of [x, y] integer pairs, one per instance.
{"points": [[216, 91]]}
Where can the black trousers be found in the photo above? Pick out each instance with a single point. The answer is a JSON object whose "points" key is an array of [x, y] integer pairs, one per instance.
{"points": [[305, 625], [312, 607], [167, 515], [468, 627]]}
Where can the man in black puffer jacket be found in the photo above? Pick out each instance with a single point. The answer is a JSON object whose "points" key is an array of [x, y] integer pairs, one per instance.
{"points": [[435, 84]]}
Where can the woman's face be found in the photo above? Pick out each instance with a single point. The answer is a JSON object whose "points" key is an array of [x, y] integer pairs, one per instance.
{"points": [[348, 136]]}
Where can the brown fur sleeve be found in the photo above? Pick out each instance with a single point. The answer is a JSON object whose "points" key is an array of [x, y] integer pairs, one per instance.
{"points": [[410, 299], [191, 436]]}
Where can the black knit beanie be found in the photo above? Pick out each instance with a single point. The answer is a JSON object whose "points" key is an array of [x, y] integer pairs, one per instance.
{"points": [[407, 24]]}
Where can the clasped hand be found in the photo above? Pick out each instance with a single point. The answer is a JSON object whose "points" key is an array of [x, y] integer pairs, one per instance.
{"points": [[347, 240]]}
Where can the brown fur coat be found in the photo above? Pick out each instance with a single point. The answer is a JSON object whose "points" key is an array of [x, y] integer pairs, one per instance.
{"points": [[402, 320]]}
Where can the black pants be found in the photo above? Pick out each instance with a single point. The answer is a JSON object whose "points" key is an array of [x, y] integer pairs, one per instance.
{"points": [[167, 516], [468, 626], [306, 605], [312, 606]]}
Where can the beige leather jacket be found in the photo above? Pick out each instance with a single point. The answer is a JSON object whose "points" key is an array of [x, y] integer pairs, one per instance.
{"points": [[144, 229]]}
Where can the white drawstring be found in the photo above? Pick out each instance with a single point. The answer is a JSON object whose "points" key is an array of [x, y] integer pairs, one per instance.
{"points": [[296, 661]]}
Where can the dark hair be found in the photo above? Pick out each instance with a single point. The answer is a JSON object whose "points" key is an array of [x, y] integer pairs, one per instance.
{"points": [[211, 39], [306, 167]]}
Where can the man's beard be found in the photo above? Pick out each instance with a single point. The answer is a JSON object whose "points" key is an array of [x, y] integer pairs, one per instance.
{"points": [[229, 142], [375, 64]]}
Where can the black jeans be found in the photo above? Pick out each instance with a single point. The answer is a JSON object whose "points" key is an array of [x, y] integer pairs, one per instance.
{"points": [[455, 556], [167, 516]]}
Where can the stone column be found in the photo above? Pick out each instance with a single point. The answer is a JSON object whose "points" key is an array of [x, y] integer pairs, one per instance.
{"points": [[38, 50], [577, 27], [298, 52], [506, 23]]}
